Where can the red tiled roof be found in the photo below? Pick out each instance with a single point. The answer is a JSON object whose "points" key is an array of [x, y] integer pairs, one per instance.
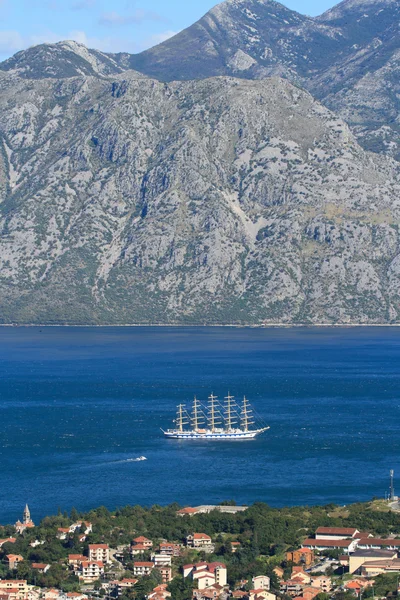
{"points": [[143, 564], [336, 531], [327, 543], [379, 542], [98, 547], [39, 565]]}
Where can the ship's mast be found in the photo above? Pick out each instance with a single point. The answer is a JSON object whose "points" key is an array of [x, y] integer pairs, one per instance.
{"points": [[246, 415], [195, 418], [228, 412], [211, 413], [179, 417]]}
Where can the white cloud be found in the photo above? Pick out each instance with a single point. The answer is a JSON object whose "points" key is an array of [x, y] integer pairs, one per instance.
{"points": [[113, 18]]}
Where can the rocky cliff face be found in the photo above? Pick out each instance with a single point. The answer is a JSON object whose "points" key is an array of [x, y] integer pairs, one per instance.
{"points": [[124, 199], [348, 58]]}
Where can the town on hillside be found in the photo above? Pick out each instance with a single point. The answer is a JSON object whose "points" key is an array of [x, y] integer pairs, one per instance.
{"points": [[204, 553]]}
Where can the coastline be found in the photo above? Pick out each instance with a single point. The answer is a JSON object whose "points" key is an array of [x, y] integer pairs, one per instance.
{"points": [[207, 326]]}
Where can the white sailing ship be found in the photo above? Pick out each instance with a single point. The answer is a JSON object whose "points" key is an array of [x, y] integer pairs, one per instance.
{"points": [[216, 422]]}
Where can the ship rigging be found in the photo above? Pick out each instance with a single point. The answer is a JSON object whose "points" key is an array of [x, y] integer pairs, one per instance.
{"points": [[226, 421]]}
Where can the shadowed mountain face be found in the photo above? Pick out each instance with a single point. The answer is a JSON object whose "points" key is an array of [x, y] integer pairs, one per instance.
{"points": [[235, 198]]}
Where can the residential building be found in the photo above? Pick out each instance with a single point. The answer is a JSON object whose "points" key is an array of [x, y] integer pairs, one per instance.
{"points": [[235, 546], [75, 560], [261, 595], [14, 560], [138, 549], [170, 549], [300, 575], [262, 582], [62, 533], [10, 540], [161, 560], [160, 592], [310, 592], [76, 596], [143, 541], [16, 589], [40, 567], [142, 568], [213, 592], [303, 556], [206, 574], [91, 570], [292, 587], [117, 588], [200, 541], [279, 572], [323, 583], [99, 552], [166, 573]]}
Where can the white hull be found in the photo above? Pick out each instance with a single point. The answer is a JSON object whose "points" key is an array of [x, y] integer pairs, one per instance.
{"points": [[214, 435]]}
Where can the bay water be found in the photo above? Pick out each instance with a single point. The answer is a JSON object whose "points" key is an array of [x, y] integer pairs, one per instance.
{"points": [[78, 406]]}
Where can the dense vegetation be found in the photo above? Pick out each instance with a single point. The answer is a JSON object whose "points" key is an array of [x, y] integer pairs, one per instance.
{"points": [[265, 533]]}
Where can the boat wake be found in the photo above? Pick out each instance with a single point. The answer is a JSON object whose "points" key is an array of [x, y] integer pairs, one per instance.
{"points": [[128, 460]]}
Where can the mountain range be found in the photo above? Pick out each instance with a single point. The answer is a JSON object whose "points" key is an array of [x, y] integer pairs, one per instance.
{"points": [[245, 171]]}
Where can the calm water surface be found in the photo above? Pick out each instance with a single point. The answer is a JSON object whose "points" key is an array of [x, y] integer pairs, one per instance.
{"points": [[77, 405]]}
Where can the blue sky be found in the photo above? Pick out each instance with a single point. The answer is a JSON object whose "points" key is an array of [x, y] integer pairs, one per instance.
{"points": [[108, 25]]}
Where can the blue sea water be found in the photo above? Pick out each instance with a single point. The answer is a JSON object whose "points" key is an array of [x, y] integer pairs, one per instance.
{"points": [[78, 405]]}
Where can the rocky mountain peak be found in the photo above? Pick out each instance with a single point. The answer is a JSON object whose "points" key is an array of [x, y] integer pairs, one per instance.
{"points": [[61, 60]]}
